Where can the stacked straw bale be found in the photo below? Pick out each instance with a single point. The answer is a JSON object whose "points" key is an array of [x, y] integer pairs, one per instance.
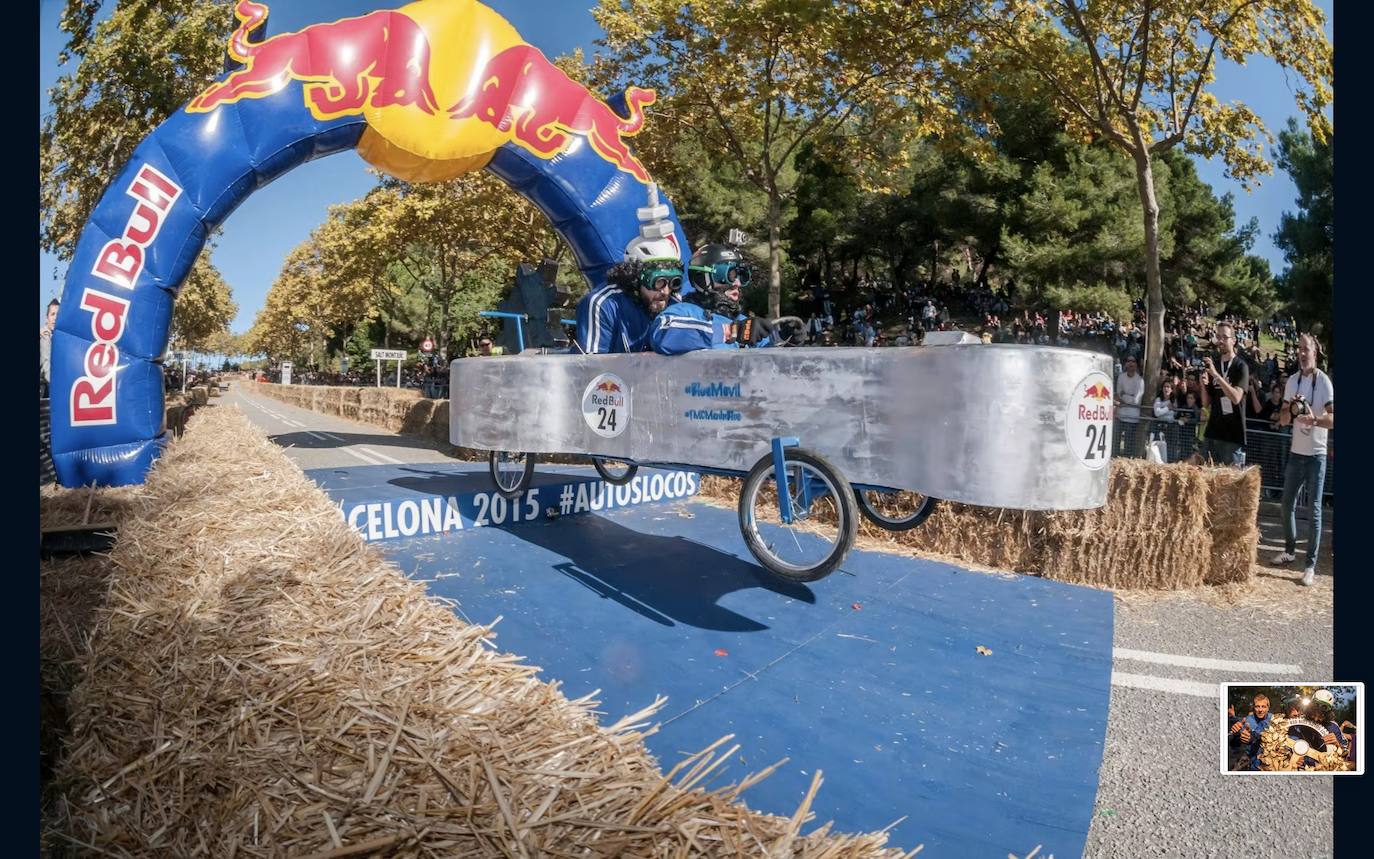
{"points": [[1163, 527], [263, 683], [402, 410], [1233, 505]]}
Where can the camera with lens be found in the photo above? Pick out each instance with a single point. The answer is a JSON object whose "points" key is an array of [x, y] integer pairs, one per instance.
{"points": [[1299, 407]]}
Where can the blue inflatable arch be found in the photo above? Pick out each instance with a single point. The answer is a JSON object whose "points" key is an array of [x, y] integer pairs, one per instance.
{"points": [[142, 238]]}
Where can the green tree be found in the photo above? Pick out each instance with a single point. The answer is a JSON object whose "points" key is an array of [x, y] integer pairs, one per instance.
{"points": [[752, 80], [1307, 238], [133, 71], [1078, 244], [1135, 73], [204, 308]]}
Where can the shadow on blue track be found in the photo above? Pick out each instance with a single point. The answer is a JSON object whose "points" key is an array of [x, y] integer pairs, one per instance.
{"points": [[477, 480], [307, 441], [616, 563]]}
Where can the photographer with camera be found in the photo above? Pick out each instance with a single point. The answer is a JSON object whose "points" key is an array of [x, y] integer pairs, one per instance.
{"points": [[1223, 392], [1308, 406]]}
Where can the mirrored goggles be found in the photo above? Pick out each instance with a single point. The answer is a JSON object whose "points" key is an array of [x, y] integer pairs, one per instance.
{"points": [[659, 279], [726, 273]]}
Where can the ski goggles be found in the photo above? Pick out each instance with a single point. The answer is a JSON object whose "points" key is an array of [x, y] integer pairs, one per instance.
{"points": [[659, 279], [726, 273]]}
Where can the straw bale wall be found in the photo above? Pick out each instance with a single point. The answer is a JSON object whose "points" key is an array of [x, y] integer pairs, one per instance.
{"points": [[260, 682], [1164, 527], [396, 409]]}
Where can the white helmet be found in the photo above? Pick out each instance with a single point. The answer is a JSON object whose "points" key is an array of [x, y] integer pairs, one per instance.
{"points": [[1324, 696], [645, 248], [657, 238]]}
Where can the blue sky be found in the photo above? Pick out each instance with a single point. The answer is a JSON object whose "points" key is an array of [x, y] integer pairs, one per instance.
{"points": [[258, 236]]}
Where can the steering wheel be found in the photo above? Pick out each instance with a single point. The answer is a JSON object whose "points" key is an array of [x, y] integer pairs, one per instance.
{"points": [[1304, 738], [791, 330]]}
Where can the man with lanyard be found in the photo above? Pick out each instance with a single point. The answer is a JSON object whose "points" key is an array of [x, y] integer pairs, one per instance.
{"points": [[616, 317], [1308, 406], [1251, 727], [707, 317], [1223, 389]]}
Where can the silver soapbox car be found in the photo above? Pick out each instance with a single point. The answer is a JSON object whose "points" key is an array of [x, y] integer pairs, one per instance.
{"points": [[818, 434]]}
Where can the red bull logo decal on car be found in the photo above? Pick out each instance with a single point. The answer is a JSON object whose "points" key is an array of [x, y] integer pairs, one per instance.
{"points": [[1088, 420]]}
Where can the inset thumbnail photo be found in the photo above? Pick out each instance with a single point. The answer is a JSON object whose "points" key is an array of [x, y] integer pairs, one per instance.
{"points": [[1303, 728]]}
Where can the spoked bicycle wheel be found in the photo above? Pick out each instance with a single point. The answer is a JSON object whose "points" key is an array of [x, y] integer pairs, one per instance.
{"points": [[892, 513], [824, 522], [616, 472], [511, 472]]}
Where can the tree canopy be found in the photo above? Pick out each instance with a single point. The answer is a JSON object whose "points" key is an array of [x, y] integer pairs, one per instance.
{"points": [[1307, 237]]}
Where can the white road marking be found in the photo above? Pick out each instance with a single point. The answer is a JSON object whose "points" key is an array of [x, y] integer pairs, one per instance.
{"points": [[317, 435], [292, 423], [381, 456], [1166, 684], [1204, 663], [357, 454], [330, 435]]}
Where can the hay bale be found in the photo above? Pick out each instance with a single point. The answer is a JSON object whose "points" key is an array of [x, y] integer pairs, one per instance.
{"points": [[1233, 500], [1153, 532], [333, 401], [373, 405], [438, 426], [264, 682], [416, 419], [1158, 529], [199, 395]]}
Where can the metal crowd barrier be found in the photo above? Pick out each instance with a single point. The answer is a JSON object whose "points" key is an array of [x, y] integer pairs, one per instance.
{"points": [[1263, 447], [46, 472]]}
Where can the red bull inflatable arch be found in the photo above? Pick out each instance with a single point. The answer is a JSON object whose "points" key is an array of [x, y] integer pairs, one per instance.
{"points": [[426, 92]]}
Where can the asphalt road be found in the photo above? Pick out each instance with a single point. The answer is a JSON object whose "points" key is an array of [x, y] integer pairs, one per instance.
{"points": [[1161, 790]]}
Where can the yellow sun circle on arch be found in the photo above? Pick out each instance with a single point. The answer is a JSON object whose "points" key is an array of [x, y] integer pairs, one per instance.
{"points": [[407, 142]]}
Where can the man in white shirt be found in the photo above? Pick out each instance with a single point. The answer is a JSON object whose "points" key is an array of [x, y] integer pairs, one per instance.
{"points": [[1130, 390], [1308, 405]]}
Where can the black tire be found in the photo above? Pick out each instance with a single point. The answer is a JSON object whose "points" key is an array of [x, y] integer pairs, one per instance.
{"points": [[505, 488], [847, 526], [888, 523], [612, 477]]}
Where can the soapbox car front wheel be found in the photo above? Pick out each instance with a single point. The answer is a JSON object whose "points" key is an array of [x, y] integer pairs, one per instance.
{"points": [[616, 472], [511, 472], [887, 512], [823, 521]]}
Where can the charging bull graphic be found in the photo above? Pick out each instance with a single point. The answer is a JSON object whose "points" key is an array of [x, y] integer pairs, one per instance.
{"points": [[523, 93], [342, 63], [425, 92]]}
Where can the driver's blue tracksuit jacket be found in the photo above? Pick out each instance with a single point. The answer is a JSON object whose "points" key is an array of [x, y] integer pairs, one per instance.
{"points": [[688, 327], [610, 321]]}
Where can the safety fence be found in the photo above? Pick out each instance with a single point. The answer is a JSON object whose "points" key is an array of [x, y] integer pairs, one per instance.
{"points": [[1264, 447], [46, 473]]}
